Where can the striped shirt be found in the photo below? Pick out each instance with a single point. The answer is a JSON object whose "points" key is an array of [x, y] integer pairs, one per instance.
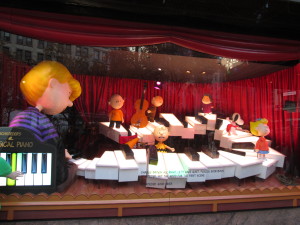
{"points": [[37, 122], [44, 130]]}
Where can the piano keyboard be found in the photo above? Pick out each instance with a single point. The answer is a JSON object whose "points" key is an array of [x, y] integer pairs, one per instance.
{"points": [[173, 170], [35, 167]]}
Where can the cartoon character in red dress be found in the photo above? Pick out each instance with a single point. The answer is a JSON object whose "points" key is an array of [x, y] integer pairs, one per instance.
{"points": [[206, 104]]}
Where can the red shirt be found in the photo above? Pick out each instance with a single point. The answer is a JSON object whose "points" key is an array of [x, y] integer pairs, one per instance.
{"points": [[262, 144]]}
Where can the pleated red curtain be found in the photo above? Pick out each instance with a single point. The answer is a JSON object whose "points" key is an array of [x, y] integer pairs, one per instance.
{"points": [[80, 30]]}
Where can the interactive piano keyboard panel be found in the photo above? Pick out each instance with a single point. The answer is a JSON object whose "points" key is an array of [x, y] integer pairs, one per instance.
{"points": [[34, 159]]}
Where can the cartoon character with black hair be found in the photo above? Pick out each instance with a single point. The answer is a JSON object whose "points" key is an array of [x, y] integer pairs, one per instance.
{"points": [[206, 104]]}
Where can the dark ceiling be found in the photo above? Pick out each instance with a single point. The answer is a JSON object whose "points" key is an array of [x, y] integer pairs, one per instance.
{"points": [[269, 18]]}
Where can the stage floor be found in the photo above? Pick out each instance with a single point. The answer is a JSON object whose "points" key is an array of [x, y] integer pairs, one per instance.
{"points": [[87, 198]]}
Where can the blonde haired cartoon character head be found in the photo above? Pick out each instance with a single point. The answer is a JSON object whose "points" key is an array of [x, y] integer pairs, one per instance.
{"points": [[260, 127], [50, 87]]}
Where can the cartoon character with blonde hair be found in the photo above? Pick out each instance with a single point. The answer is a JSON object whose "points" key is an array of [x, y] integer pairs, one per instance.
{"points": [[161, 134], [261, 129], [49, 88]]}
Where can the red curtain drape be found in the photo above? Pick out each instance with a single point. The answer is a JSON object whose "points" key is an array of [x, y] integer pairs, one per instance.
{"points": [[262, 97], [80, 30], [11, 98]]}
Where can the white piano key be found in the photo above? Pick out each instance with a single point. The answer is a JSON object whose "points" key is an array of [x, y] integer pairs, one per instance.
{"points": [[128, 169], [82, 167], [211, 120], [268, 167], [144, 134], [198, 127], [227, 140], [47, 175], [78, 161], [196, 171], [140, 157], [107, 167], [157, 174], [38, 177], [29, 176], [214, 168], [112, 133], [176, 127], [228, 165], [188, 132], [90, 170], [151, 126], [177, 176], [20, 180], [273, 154], [3, 179], [245, 166]]}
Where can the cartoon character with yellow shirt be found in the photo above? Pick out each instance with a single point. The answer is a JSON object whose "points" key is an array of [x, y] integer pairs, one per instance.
{"points": [[161, 134], [116, 115]]}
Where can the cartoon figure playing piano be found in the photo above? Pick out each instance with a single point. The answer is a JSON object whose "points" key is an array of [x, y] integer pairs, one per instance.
{"points": [[206, 104], [156, 102], [161, 134], [235, 123], [116, 115], [49, 88], [261, 129], [6, 170]]}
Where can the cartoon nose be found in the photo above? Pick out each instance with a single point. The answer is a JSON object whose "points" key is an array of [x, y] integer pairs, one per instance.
{"points": [[70, 104]]}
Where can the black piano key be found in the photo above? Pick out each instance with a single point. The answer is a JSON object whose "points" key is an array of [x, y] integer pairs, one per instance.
{"points": [[8, 158], [44, 163], [24, 163], [152, 155], [34, 163], [192, 154], [127, 152]]}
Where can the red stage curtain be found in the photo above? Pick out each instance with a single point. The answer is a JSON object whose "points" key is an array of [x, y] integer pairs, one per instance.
{"points": [[261, 97], [10, 94], [88, 31]]}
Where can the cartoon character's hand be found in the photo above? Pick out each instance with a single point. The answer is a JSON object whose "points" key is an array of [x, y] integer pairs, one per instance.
{"points": [[67, 155], [14, 175]]}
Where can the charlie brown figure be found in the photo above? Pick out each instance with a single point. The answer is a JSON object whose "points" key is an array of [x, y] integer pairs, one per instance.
{"points": [[161, 134], [156, 102], [49, 88], [116, 115]]}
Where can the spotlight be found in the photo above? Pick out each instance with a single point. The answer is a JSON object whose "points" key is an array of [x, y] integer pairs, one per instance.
{"points": [[158, 85]]}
